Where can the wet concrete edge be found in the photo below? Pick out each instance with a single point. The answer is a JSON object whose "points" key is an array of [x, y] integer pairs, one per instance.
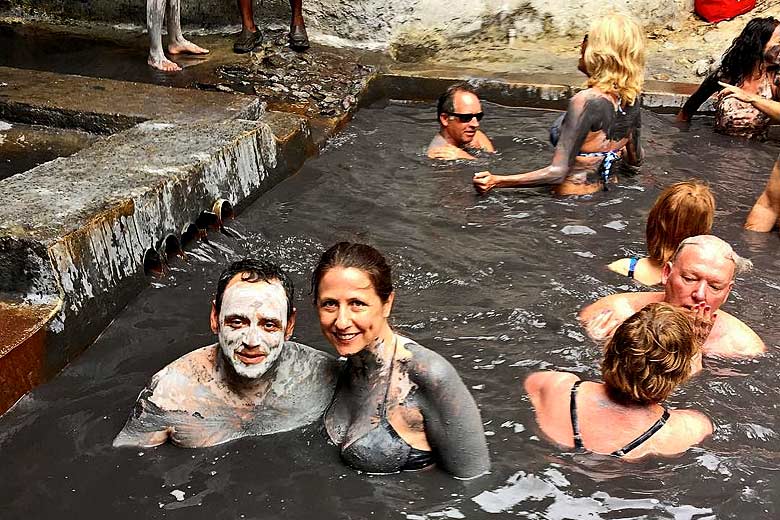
{"points": [[82, 263]]}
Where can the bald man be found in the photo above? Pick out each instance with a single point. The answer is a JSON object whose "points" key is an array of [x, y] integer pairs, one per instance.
{"points": [[702, 270]]}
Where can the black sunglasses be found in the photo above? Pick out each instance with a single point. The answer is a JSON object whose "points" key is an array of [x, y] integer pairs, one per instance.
{"points": [[465, 118]]}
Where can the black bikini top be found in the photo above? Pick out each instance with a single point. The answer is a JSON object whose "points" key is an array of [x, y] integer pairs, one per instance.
{"points": [[625, 449], [381, 449]]}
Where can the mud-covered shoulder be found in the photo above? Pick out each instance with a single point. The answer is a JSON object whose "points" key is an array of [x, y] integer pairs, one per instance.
{"points": [[194, 366], [426, 367], [306, 361]]}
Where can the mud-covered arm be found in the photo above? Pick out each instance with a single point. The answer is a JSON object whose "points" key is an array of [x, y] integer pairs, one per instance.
{"points": [[707, 88], [635, 154], [586, 113], [147, 426], [452, 422]]}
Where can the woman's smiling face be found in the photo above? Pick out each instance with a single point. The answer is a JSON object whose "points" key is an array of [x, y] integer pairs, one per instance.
{"points": [[352, 315]]}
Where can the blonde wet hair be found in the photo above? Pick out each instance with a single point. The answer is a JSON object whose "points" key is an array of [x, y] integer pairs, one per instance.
{"points": [[649, 355], [615, 56], [684, 209]]}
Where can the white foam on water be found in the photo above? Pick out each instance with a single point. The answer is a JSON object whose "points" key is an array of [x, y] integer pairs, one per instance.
{"points": [[617, 225], [577, 230]]}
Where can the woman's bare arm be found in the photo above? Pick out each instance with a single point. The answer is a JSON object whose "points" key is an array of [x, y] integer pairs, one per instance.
{"points": [[707, 88], [767, 106]]}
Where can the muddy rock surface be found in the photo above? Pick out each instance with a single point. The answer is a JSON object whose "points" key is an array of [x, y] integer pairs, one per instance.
{"points": [[683, 50], [317, 83]]}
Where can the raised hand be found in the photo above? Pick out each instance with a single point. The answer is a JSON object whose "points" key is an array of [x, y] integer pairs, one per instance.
{"points": [[702, 319], [483, 182]]}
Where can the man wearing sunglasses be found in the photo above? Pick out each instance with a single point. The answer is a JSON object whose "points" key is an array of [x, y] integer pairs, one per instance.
{"points": [[459, 112]]}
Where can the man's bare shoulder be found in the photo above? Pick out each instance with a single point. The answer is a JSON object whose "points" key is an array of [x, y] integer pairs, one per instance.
{"points": [[482, 142], [622, 305], [200, 363], [731, 337], [304, 363], [183, 377]]}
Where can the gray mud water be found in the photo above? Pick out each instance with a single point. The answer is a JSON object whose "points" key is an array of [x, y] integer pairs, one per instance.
{"points": [[493, 283], [23, 147]]}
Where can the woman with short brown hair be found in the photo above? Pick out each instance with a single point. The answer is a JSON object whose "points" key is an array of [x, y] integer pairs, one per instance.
{"points": [[650, 354]]}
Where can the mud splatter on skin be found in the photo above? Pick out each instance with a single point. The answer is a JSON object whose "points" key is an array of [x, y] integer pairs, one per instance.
{"points": [[590, 112], [252, 383], [377, 418], [252, 326], [772, 56]]}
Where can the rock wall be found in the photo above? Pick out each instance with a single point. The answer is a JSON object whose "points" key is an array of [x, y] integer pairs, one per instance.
{"points": [[381, 23]]}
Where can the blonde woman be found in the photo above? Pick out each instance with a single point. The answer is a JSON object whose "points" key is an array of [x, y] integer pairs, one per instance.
{"points": [[602, 123], [684, 209], [624, 415]]}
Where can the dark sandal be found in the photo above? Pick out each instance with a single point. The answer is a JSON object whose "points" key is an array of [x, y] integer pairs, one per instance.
{"points": [[247, 41], [299, 40]]}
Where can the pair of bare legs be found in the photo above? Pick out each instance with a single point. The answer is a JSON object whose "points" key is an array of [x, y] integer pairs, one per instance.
{"points": [[766, 210], [155, 14], [299, 40]]}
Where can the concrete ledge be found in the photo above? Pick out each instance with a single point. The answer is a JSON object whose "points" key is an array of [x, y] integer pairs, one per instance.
{"points": [[106, 106], [74, 232], [550, 91]]}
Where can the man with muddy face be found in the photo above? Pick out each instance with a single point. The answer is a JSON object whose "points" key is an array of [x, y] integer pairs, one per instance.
{"points": [[253, 382], [459, 112], [700, 274]]}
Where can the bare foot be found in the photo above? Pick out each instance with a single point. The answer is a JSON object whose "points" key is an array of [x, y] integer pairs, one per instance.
{"points": [[163, 64], [185, 47]]}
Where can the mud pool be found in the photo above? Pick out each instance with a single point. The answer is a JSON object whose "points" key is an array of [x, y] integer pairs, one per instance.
{"points": [[492, 283], [23, 147]]}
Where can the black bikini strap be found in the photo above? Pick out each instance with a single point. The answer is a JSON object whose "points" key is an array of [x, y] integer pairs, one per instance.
{"points": [[575, 423], [642, 438]]}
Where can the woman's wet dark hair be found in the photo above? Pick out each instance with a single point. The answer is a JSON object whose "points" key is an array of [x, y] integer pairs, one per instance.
{"points": [[253, 270], [359, 256], [746, 50], [446, 103]]}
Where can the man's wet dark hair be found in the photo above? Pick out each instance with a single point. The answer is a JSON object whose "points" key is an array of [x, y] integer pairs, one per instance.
{"points": [[253, 270], [359, 256], [446, 103]]}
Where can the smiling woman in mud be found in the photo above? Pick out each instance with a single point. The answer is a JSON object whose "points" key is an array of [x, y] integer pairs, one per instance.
{"points": [[398, 406], [602, 123]]}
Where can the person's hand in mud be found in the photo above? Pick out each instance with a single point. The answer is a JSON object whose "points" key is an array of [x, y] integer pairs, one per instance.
{"points": [[702, 319], [738, 93], [602, 326], [484, 182]]}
